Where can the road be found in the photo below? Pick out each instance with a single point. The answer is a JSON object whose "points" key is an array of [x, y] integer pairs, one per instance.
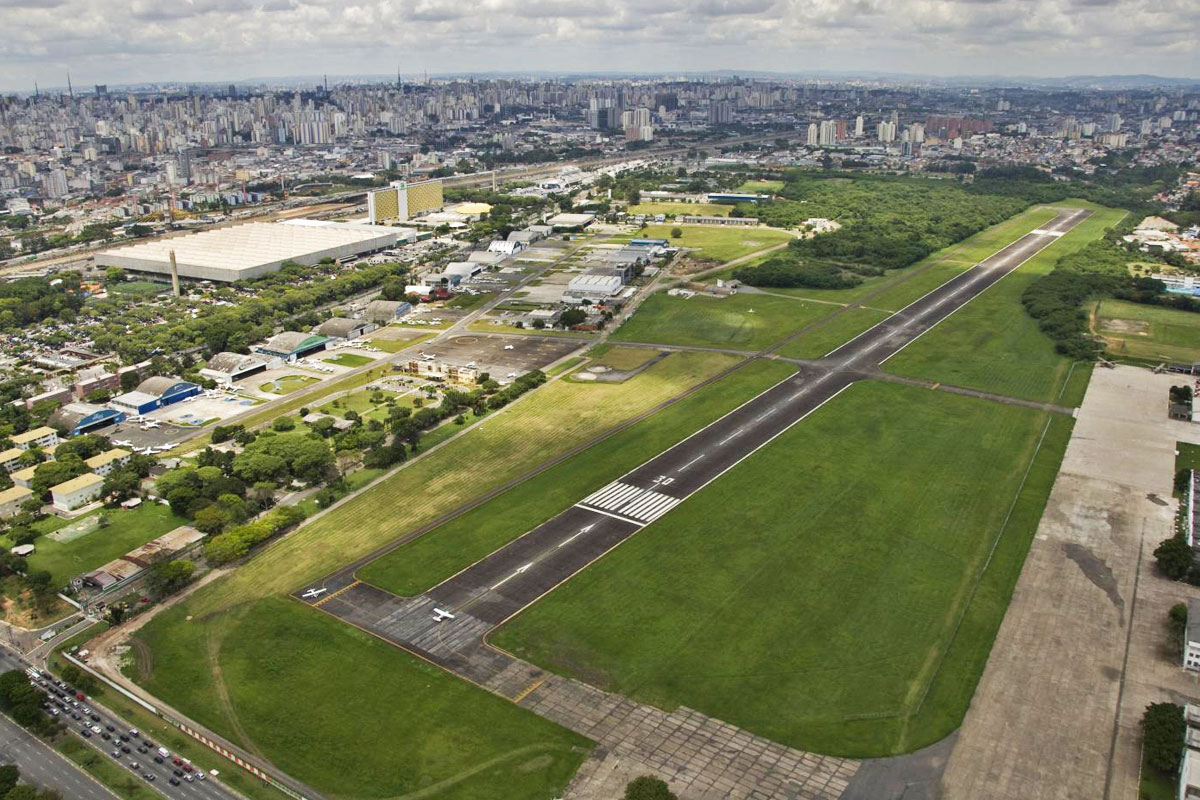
{"points": [[495, 588], [43, 764]]}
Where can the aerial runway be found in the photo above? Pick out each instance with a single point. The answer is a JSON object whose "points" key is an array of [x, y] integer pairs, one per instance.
{"points": [[492, 590]]}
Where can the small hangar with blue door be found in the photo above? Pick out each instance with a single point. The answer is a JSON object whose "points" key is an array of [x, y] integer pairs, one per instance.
{"points": [[154, 393], [75, 419]]}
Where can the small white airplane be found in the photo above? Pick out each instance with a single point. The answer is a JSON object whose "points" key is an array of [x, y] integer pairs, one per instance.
{"points": [[508, 347], [146, 451], [151, 425], [313, 593], [122, 443], [439, 615]]}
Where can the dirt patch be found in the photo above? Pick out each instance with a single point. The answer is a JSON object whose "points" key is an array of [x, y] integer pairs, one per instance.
{"points": [[689, 266], [534, 764], [1126, 326], [143, 659]]}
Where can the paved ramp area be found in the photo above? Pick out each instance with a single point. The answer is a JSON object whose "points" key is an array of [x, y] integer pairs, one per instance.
{"points": [[1044, 719]]}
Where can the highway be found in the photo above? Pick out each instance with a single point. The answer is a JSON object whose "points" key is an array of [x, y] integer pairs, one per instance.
{"points": [[48, 768], [498, 586]]}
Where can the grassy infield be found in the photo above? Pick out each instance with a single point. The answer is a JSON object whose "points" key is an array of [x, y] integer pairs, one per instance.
{"points": [[1146, 332], [870, 615]]}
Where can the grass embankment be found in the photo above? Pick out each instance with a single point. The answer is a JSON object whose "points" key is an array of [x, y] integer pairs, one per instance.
{"points": [[622, 358], [991, 343], [843, 583], [349, 360], [349, 714], [1140, 331], [442, 552]]}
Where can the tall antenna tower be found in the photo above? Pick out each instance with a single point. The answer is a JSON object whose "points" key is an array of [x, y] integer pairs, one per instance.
{"points": [[70, 91], [174, 275]]}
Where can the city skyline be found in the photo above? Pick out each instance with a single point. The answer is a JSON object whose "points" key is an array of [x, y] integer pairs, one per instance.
{"points": [[239, 40]]}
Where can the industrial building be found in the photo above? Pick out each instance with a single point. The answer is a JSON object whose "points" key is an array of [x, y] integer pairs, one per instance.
{"points": [[291, 345], [154, 393], [401, 201], [571, 222], [77, 492], [248, 251], [383, 312], [741, 222], [74, 419], [345, 328], [133, 564], [225, 368], [593, 288]]}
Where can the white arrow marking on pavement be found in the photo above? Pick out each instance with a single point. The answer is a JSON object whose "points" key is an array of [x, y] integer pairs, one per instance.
{"points": [[582, 531], [515, 574]]}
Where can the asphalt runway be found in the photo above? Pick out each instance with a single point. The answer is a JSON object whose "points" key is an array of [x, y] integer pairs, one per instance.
{"points": [[492, 590]]}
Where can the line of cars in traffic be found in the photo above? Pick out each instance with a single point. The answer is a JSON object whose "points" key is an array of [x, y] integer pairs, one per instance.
{"points": [[64, 701]]}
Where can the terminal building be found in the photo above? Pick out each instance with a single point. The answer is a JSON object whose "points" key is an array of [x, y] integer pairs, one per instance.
{"points": [[154, 393], [75, 419], [251, 250]]}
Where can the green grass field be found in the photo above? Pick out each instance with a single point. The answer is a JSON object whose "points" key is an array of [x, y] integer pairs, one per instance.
{"points": [[742, 321], [672, 210], [821, 613], [349, 360], [761, 187], [347, 713], [1140, 331], [713, 242], [829, 336], [127, 530], [287, 384], [991, 343], [618, 357], [426, 561], [466, 301]]}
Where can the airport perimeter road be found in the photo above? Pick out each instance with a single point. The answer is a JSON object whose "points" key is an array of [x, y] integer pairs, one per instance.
{"points": [[497, 587], [73, 782]]}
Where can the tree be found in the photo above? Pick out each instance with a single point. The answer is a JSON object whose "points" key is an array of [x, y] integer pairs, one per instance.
{"points": [[168, 577], [1174, 558], [283, 424], [572, 317], [9, 775], [648, 787], [1177, 618], [1163, 732], [676, 233]]}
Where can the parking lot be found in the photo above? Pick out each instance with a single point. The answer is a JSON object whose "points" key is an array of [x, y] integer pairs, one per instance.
{"points": [[499, 354]]}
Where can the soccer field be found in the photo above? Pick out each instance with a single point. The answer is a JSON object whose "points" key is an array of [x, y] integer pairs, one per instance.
{"points": [[826, 592], [1140, 331]]}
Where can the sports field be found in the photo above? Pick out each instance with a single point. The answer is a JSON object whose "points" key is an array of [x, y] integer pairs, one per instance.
{"points": [[742, 321], [991, 343], [826, 592], [672, 210], [1140, 331], [437, 555], [347, 713], [127, 529], [714, 242], [761, 187]]}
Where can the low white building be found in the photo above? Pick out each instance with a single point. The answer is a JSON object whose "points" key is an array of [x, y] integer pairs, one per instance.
{"points": [[1191, 638], [509, 248], [77, 492], [106, 462], [594, 288], [11, 500], [38, 437]]}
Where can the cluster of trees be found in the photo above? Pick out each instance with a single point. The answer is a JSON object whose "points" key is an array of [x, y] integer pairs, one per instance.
{"points": [[1119, 184], [168, 577], [23, 703], [1100, 269], [236, 542], [27, 301], [648, 787], [1163, 730], [789, 271], [10, 789], [209, 495]]}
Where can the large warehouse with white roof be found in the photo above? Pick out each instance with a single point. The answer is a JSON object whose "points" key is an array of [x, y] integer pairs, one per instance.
{"points": [[250, 250]]}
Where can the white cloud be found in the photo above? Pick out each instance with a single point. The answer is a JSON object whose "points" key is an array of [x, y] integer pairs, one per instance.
{"points": [[151, 40]]}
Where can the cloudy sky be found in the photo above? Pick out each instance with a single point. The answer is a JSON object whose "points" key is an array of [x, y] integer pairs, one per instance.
{"points": [[120, 41]]}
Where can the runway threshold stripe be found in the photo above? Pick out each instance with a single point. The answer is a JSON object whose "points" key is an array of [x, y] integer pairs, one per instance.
{"points": [[338, 593], [595, 510]]}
